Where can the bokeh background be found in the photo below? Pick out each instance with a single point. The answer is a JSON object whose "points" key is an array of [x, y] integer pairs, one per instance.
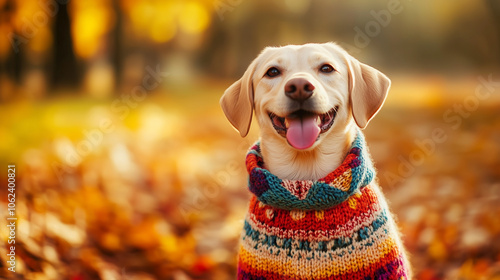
{"points": [[127, 169]]}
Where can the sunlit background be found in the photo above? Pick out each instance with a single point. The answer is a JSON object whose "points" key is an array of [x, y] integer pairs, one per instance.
{"points": [[127, 169]]}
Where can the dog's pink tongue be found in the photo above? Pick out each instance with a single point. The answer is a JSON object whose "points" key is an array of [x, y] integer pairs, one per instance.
{"points": [[302, 132]]}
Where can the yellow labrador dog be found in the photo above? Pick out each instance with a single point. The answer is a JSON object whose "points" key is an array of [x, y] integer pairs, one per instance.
{"points": [[316, 211]]}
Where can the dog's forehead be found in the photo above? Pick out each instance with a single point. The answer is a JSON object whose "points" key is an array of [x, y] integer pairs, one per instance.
{"points": [[308, 53]]}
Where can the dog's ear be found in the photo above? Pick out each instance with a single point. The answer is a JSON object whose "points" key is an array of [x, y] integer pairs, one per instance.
{"points": [[368, 89], [237, 101]]}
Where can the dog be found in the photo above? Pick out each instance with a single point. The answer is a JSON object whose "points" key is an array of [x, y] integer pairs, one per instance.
{"points": [[316, 211]]}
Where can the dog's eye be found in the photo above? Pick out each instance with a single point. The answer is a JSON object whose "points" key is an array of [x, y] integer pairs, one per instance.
{"points": [[273, 72], [326, 68]]}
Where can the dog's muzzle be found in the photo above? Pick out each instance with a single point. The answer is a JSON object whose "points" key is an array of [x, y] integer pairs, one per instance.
{"points": [[303, 128]]}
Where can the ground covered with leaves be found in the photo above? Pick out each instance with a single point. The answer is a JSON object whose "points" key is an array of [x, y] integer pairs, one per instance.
{"points": [[157, 189]]}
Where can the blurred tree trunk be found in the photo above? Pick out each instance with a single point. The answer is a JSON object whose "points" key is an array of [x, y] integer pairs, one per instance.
{"points": [[65, 67], [116, 34], [214, 55], [11, 65], [494, 6]]}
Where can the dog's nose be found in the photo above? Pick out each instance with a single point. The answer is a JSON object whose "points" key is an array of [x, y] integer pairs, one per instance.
{"points": [[299, 89]]}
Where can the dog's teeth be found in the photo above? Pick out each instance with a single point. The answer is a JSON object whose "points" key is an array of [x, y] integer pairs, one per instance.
{"points": [[287, 124], [318, 120]]}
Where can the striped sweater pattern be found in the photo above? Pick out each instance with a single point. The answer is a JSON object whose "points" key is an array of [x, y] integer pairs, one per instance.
{"points": [[338, 227]]}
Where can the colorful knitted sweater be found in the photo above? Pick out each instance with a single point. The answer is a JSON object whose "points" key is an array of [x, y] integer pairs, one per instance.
{"points": [[338, 227]]}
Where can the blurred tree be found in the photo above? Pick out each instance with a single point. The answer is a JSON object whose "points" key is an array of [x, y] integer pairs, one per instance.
{"points": [[117, 41], [65, 67], [10, 65], [494, 6]]}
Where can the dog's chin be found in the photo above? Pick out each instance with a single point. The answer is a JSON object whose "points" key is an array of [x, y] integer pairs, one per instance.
{"points": [[303, 129]]}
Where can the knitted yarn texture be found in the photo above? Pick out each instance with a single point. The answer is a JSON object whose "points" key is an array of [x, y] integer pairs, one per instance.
{"points": [[338, 227]]}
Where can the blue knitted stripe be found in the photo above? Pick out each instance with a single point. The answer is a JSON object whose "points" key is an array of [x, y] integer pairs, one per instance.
{"points": [[321, 196], [360, 235]]}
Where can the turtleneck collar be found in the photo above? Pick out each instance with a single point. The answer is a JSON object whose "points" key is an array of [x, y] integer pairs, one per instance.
{"points": [[355, 172]]}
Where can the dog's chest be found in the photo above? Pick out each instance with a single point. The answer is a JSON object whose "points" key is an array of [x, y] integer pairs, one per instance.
{"points": [[356, 238]]}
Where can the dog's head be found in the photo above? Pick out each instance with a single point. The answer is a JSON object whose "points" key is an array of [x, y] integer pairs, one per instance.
{"points": [[299, 93]]}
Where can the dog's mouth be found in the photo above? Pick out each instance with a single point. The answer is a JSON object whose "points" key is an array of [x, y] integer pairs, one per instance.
{"points": [[303, 128]]}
